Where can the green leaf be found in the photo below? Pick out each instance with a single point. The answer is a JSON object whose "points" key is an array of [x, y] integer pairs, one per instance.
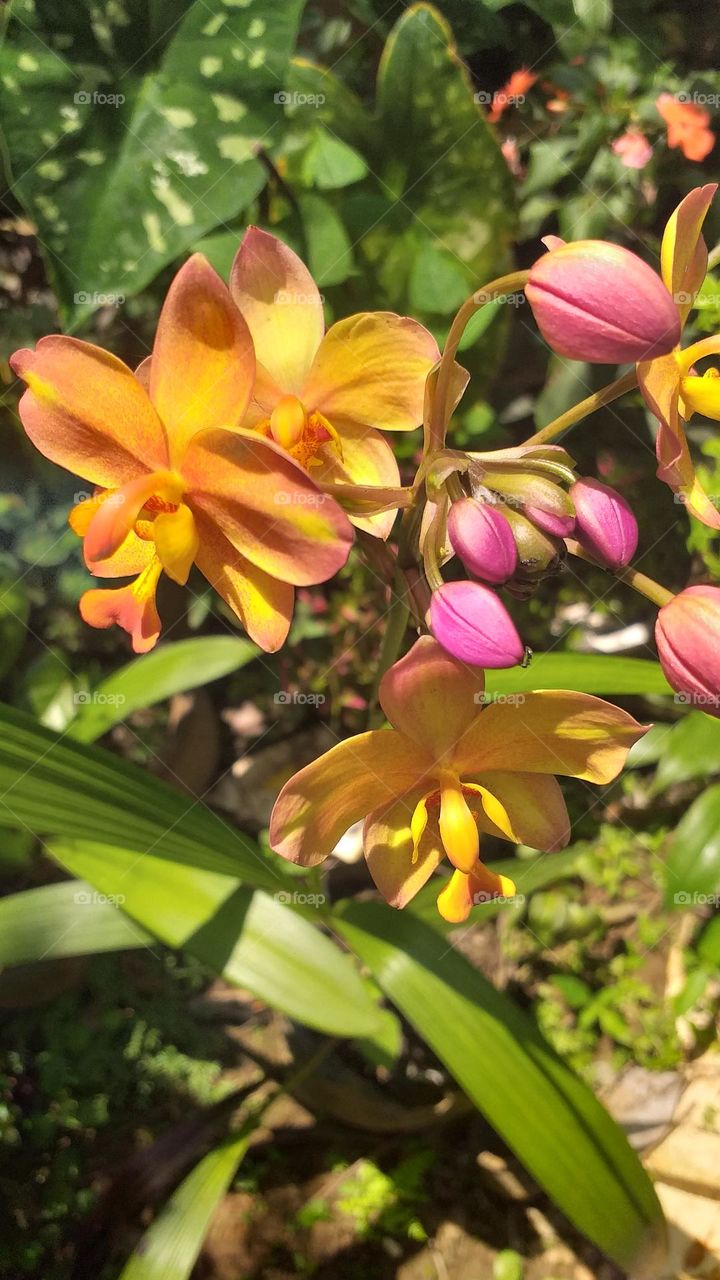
{"points": [[441, 174], [330, 163], [170, 1247], [692, 870], [54, 787], [595, 15], [691, 750], [330, 256], [128, 154], [68, 919], [252, 939], [708, 945], [547, 1115], [14, 614], [586, 672], [172, 668]]}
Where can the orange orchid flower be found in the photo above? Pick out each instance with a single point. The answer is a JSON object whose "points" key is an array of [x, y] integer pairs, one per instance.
{"points": [[687, 126], [670, 385], [450, 769], [322, 396], [177, 479]]}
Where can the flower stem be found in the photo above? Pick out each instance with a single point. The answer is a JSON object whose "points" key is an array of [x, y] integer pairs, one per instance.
{"points": [[585, 407], [639, 582], [439, 411]]}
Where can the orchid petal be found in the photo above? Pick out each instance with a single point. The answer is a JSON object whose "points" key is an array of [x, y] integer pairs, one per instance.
{"points": [[117, 513], [553, 731], [282, 306], [432, 698], [355, 778], [367, 459], [132, 608], [85, 410], [527, 808], [659, 382], [263, 605], [398, 869], [370, 369], [683, 253], [203, 362], [176, 541], [267, 506]]}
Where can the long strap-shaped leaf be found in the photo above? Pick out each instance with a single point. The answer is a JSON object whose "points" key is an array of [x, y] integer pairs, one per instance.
{"points": [[546, 1114], [169, 1248], [53, 786], [251, 938], [67, 919]]}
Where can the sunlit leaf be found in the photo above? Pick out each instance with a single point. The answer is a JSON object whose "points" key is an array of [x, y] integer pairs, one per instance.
{"points": [[549, 1118]]}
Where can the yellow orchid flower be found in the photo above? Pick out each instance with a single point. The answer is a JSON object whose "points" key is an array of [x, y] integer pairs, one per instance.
{"points": [[322, 396], [449, 770], [670, 387], [177, 479]]}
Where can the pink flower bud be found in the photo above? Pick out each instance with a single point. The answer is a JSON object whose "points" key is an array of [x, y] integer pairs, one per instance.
{"points": [[558, 526], [596, 301], [687, 634], [604, 523], [473, 625], [483, 539]]}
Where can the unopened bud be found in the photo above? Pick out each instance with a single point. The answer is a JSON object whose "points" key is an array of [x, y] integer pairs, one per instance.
{"points": [[604, 523], [483, 539], [473, 625]]}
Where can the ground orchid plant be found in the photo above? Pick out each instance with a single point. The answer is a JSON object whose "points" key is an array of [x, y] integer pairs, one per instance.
{"points": [[251, 441]]}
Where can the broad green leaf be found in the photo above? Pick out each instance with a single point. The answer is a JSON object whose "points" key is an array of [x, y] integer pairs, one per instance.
{"points": [[171, 668], [329, 163], [67, 919], [548, 1117], [55, 787], [330, 255], [251, 938], [691, 750], [595, 15], [130, 152], [438, 155], [170, 1247], [692, 870], [586, 672]]}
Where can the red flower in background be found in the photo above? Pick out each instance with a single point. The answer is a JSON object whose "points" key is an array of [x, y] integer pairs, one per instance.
{"points": [[687, 126], [512, 93], [633, 149]]}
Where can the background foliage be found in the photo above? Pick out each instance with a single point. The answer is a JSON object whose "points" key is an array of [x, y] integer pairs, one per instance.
{"points": [[133, 134]]}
